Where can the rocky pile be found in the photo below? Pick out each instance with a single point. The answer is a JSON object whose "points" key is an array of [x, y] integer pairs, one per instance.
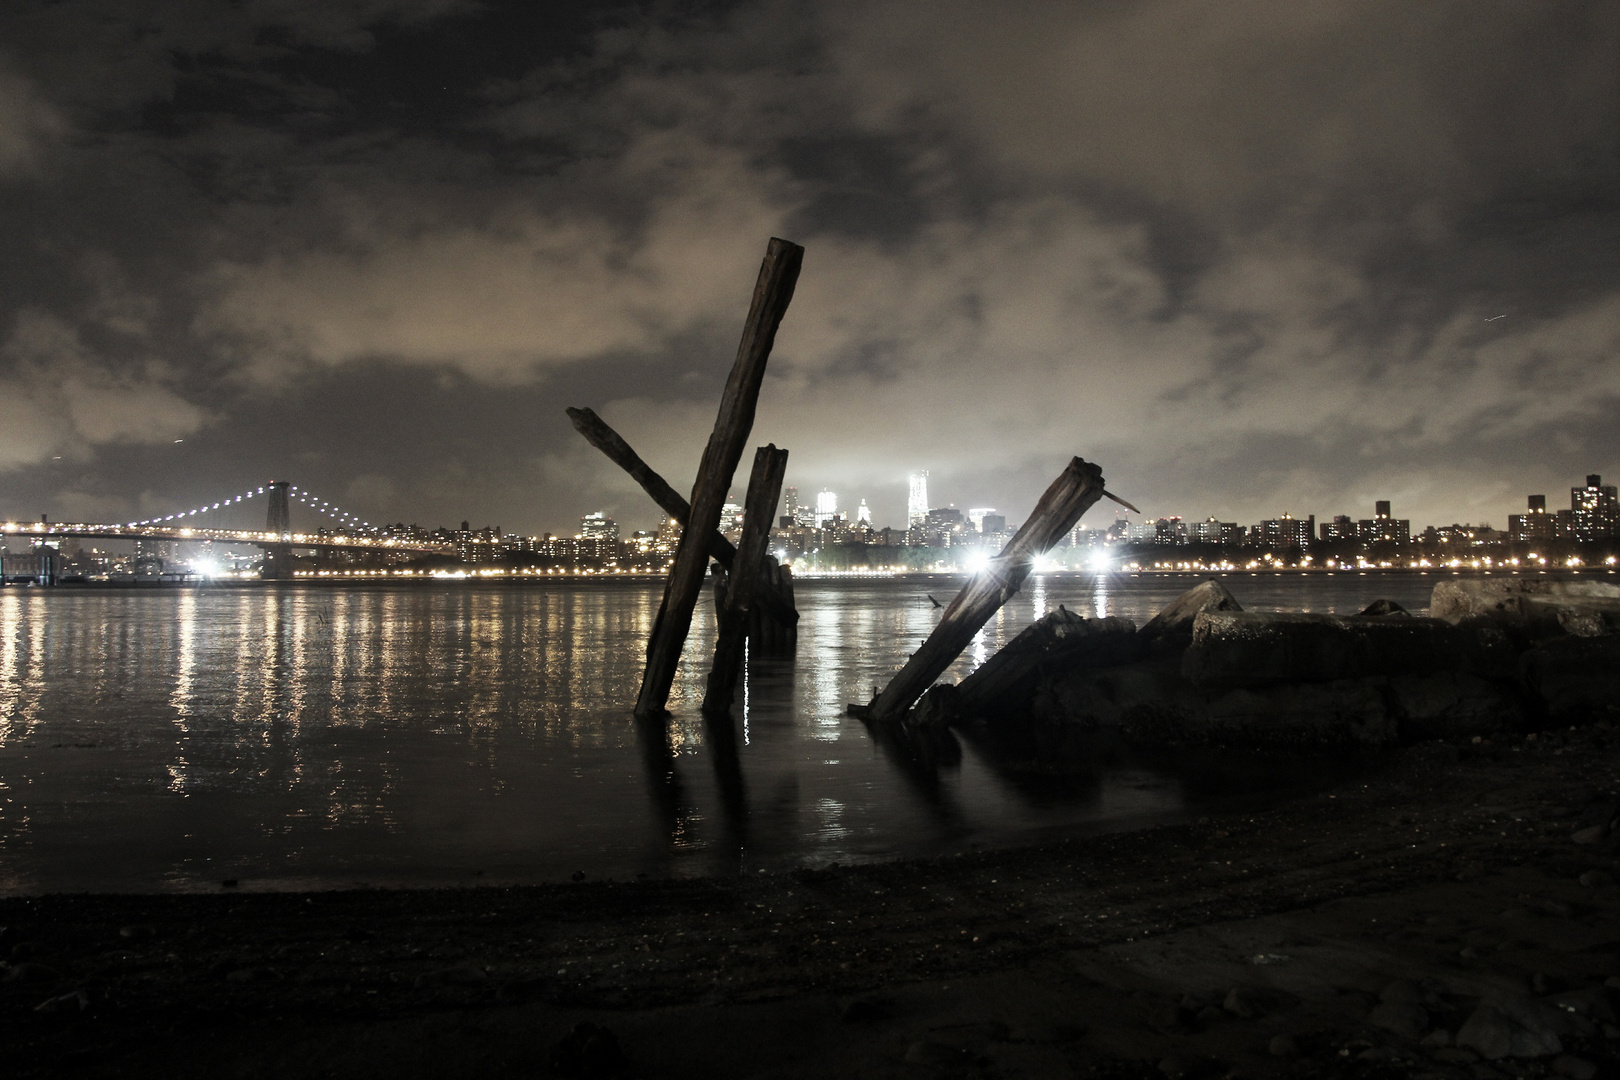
{"points": [[1494, 655]]}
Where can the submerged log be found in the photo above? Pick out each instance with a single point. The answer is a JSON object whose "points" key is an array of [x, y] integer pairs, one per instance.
{"points": [[772, 293], [1005, 684], [1074, 492], [776, 596], [743, 583]]}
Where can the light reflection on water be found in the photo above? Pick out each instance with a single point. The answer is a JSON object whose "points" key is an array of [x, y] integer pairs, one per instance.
{"points": [[293, 736]]}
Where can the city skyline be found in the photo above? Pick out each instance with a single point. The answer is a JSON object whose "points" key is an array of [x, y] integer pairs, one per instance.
{"points": [[1245, 257]]}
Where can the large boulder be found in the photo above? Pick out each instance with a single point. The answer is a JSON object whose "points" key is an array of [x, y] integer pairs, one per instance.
{"points": [[1572, 679], [1233, 649], [1534, 607], [1177, 618]]}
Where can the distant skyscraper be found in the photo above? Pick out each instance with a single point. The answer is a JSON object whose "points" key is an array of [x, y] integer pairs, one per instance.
{"points": [[826, 507], [863, 513], [1594, 510], [790, 501], [976, 516], [917, 500], [597, 526]]}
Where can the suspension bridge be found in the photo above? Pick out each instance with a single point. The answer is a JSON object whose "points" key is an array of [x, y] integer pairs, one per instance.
{"points": [[277, 539]]}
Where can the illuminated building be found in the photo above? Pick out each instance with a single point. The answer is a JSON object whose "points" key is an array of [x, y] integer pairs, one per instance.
{"points": [[598, 526], [826, 507], [1340, 528], [1381, 526], [917, 501], [1594, 513], [863, 514], [1535, 524]]}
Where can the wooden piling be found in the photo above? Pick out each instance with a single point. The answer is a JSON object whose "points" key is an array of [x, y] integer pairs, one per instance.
{"points": [[1074, 492], [772, 293], [744, 582], [775, 599]]}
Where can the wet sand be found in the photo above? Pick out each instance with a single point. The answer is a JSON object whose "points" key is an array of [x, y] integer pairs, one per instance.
{"points": [[1347, 932]]}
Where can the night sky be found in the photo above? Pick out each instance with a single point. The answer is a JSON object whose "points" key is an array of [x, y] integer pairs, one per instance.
{"points": [[1251, 257]]}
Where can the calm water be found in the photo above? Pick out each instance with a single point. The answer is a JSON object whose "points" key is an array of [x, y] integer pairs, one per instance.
{"points": [[293, 736]]}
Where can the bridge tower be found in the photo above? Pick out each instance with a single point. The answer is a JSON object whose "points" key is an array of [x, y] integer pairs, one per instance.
{"points": [[278, 564]]}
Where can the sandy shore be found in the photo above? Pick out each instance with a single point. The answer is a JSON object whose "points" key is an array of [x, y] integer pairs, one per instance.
{"points": [[1457, 888]]}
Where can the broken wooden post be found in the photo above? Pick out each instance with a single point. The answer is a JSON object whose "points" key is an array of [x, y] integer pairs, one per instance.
{"points": [[744, 583], [776, 597], [1071, 494], [772, 292]]}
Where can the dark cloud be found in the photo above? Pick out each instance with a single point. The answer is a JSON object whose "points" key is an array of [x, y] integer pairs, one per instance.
{"points": [[1243, 255]]}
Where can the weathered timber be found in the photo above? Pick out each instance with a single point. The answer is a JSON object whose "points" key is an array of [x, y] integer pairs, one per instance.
{"points": [[776, 597], [1005, 684], [743, 584], [772, 293], [1074, 492]]}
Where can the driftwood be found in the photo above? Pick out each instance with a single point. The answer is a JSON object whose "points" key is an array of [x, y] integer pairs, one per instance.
{"points": [[743, 583], [772, 292], [776, 592], [1074, 492]]}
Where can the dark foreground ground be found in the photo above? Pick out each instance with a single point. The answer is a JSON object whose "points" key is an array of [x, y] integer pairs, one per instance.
{"points": [[1353, 932]]}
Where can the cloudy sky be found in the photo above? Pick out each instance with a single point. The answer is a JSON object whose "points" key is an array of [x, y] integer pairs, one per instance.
{"points": [[1251, 257]]}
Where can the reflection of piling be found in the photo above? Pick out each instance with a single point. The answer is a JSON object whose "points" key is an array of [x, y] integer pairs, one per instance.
{"points": [[278, 560], [663, 783], [744, 583]]}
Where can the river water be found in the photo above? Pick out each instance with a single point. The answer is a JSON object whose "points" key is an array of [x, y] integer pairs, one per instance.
{"points": [[292, 736]]}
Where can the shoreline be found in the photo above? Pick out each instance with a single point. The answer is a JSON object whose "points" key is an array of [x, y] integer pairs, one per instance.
{"points": [[1247, 942]]}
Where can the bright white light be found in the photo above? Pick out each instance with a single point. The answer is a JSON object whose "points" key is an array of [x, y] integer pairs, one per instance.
{"points": [[977, 561], [1100, 563], [207, 568]]}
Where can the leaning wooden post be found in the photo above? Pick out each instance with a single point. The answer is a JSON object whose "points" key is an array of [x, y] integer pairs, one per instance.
{"points": [[1071, 494], [744, 584], [777, 597], [772, 293]]}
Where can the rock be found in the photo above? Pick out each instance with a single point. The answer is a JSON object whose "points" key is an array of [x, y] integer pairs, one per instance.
{"points": [[1382, 608], [1573, 678], [1574, 1067], [74, 1001], [1452, 1055], [464, 975], [1253, 1002], [1591, 1004], [1347, 712], [137, 932], [1177, 617], [588, 1050], [928, 1052], [1449, 704], [32, 974], [1404, 1018], [866, 1011], [1250, 649], [1592, 834], [1439, 1037], [1283, 1046], [1595, 878], [1513, 1026], [1515, 601]]}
